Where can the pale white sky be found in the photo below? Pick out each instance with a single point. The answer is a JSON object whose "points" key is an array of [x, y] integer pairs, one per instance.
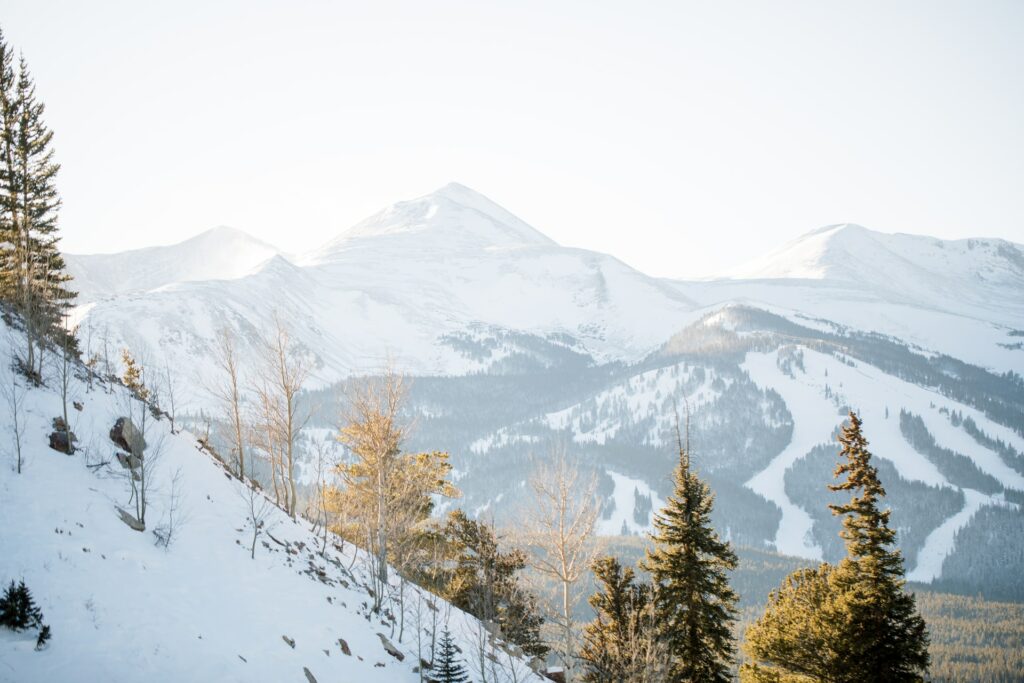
{"points": [[682, 137]]}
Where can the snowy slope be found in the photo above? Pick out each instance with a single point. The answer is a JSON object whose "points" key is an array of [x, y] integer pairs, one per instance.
{"points": [[123, 609], [218, 254], [878, 399]]}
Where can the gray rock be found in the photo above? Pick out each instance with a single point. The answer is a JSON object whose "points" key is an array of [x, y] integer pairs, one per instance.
{"points": [[390, 648], [128, 461], [309, 675], [126, 435], [290, 641], [129, 519], [60, 441]]}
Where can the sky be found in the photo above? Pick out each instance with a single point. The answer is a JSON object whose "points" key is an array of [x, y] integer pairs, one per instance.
{"points": [[682, 137]]}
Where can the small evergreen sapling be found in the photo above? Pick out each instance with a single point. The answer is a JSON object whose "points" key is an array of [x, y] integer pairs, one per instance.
{"points": [[18, 610], [448, 668]]}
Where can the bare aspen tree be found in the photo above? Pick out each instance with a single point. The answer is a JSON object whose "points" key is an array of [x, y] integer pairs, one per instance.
{"points": [[265, 436], [285, 369], [559, 535], [169, 387], [317, 508], [420, 606], [258, 509], [65, 364], [14, 401], [227, 389], [174, 517], [90, 357], [108, 369], [147, 443]]}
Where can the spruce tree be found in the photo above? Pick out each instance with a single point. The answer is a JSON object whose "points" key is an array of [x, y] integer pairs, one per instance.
{"points": [[890, 640], [484, 581], [8, 205], [693, 603], [32, 272], [18, 610], [448, 669], [851, 622]]}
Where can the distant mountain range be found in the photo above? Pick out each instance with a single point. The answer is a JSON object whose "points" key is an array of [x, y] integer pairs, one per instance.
{"points": [[518, 344]]}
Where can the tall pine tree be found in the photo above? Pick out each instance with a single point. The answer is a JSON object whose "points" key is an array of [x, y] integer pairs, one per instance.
{"points": [[693, 603], [854, 621], [32, 270], [890, 639]]}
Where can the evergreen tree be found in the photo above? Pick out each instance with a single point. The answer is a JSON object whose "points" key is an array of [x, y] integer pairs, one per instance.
{"points": [[8, 203], [890, 638], [448, 669], [621, 644], [18, 609], [693, 603], [484, 581], [851, 622], [32, 271], [800, 635]]}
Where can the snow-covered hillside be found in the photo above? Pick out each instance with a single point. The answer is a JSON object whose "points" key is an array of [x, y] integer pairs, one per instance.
{"points": [[122, 608]]}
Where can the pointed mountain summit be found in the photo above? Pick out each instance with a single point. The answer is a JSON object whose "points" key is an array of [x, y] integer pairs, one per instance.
{"points": [[452, 219]]}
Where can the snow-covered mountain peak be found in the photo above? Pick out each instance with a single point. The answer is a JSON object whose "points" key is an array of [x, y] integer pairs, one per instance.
{"points": [[220, 253], [453, 218], [833, 251], [852, 253]]}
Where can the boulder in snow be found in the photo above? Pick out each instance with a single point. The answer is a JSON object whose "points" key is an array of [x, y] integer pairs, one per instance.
{"points": [[126, 460], [126, 435], [62, 441], [129, 519], [390, 648]]}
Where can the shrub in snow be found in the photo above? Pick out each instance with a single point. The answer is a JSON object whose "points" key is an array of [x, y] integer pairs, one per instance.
{"points": [[44, 637], [18, 610]]}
